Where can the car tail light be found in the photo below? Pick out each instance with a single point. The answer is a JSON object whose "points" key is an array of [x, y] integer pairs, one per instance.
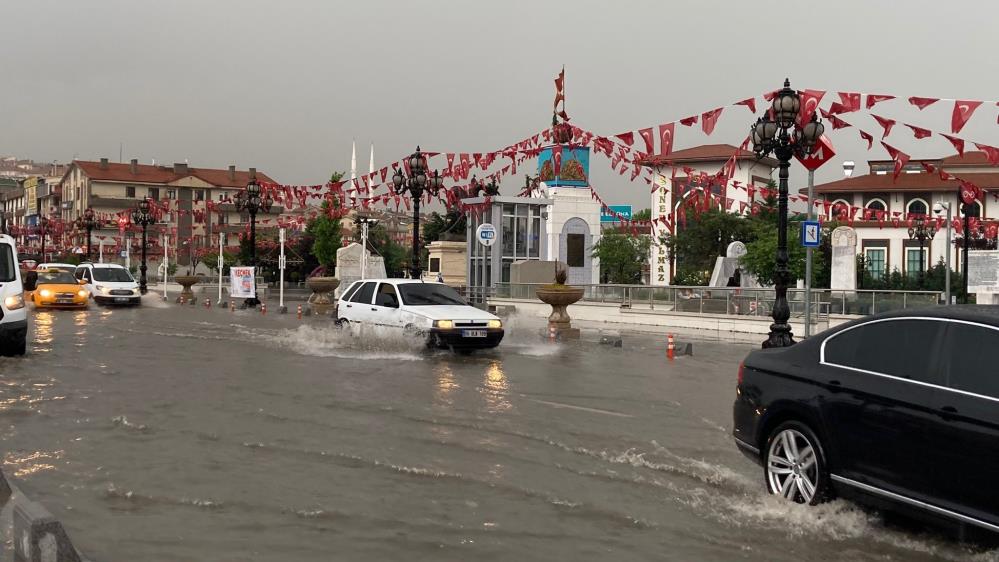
{"points": [[742, 367]]}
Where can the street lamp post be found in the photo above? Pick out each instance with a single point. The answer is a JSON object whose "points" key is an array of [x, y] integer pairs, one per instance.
{"points": [[417, 183], [783, 137], [938, 209], [966, 211], [922, 232], [142, 217], [251, 201], [88, 221], [43, 227]]}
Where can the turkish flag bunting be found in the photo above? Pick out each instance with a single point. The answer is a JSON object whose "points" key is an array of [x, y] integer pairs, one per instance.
{"points": [[646, 135], [963, 109], [958, 143], [900, 158], [919, 132], [748, 102], [868, 138], [848, 103], [689, 121], [885, 123], [627, 138], [930, 168], [877, 98], [809, 103], [666, 134], [922, 103], [709, 119], [990, 151], [769, 96], [838, 123]]}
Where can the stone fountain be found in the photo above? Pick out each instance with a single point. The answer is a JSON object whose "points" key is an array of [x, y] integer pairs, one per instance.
{"points": [[321, 301], [560, 296], [186, 282]]}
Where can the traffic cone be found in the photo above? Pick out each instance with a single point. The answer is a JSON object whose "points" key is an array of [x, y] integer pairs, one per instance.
{"points": [[263, 308], [232, 306], [208, 303], [552, 333], [670, 347], [299, 312]]}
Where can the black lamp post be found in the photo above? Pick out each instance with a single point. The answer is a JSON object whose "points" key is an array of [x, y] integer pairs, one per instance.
{"points": [[88, 222], [43, 227], [142, 217], [922, 232], [251, 201], [784, 138], [417, 183]]}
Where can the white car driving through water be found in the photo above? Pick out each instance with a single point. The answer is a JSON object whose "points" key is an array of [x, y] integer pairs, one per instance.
{"points": [[417, 307]]}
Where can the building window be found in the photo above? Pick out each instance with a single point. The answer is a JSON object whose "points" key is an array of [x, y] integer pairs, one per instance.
{"points": [[171, 194], [575, 245], [435, 265], [877, 205], [223, 218], [129, 191], [154, 192], [199, 194], [838, 208], [914, 261], [917, 207], [974, 211], [875, 262]]}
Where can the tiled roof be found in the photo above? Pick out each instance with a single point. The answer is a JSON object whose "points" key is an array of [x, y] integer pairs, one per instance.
{"points": [[146, 173], [920, 181], [972, 158], [703, 153]]}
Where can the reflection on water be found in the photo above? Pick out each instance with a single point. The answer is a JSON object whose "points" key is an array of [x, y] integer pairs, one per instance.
{"points": [[43, 331], [496, 388], [446, 385], [28, 463]]}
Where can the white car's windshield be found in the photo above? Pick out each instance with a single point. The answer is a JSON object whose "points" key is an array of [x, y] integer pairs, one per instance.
{"points": [[426, 294], [112, 274]]}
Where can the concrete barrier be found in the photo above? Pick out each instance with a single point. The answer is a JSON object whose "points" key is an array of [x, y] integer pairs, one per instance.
{"points": [[37, 536]]}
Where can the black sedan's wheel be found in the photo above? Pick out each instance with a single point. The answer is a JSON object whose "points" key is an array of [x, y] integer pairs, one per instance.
{"points": [[795, 465]]}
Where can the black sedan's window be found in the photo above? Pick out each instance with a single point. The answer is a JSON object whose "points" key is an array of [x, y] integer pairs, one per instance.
{"points": [[902, 348], [972, 356]]}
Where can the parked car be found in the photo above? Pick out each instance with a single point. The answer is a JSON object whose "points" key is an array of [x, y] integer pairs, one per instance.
{"points": [[434, 310], [109, 283], [58, 288], [899, 410], [13, 315]]}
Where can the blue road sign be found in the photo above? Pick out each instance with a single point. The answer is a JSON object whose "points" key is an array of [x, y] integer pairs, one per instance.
{"points": [[811, 234], [614, 213]]}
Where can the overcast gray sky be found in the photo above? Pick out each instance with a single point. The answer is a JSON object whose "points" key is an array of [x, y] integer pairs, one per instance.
{"points": [[284, 86]]}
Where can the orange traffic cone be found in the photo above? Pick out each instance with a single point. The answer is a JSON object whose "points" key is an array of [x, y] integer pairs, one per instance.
{"points": [[299, 312], [263, 308], [670, 347]]}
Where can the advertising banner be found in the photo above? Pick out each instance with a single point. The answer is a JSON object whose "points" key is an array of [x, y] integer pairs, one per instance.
{"points": [[569, 166], [242, 283]]}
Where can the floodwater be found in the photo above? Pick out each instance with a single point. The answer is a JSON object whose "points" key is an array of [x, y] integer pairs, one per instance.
{"points": [[179, 433]]}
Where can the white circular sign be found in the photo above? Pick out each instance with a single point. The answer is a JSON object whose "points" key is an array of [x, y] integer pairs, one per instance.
{"points": [[486, 234]]}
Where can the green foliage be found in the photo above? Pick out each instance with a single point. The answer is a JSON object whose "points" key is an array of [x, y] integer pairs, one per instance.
{"points": [[688, 278], [934, 279], [211, 260], [396, 257], [327, 237], [172, 269], [761, 254], [704, 236], [621, 257], [437, 225], [642, 215]]}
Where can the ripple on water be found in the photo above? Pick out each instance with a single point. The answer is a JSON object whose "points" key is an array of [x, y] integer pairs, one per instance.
{"points": [[330, 341]]}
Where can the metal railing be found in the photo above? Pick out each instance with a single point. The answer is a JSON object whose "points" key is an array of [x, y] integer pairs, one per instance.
{"points": [[731, 300]]}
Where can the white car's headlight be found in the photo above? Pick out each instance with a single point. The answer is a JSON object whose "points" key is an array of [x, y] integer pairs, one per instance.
{"points": [[14, 302], [105, 290], [495, 324], [444, 324]]}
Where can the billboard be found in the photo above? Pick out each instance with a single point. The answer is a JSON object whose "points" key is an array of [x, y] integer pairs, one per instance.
{"points": [[615, 213], [570, 167], [31, 196]]}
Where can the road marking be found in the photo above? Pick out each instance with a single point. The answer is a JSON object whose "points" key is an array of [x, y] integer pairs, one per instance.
{"points": [[583, 408]]}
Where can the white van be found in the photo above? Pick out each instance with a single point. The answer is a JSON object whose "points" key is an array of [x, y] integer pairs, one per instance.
{"points": [[109, 283], [13, 314]]}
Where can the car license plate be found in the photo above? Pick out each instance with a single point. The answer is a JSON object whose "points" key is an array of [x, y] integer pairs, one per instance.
{"points": [[473, 333], [121, 299], [64, 301]]}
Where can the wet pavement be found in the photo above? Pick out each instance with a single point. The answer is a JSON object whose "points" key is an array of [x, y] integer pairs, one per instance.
{"points": [[179, 433]]}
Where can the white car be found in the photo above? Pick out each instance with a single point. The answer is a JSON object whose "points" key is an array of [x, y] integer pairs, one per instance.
{"points": [[109, 283], [418, 307], [63, 266], [13, 314]]}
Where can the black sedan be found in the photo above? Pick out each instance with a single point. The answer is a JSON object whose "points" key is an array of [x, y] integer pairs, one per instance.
{"points": [[898, 410]]}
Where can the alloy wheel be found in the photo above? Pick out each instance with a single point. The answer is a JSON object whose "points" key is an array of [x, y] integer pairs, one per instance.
{"points": [[792, 466]]}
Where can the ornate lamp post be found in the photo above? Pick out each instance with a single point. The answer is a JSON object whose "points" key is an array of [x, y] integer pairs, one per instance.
{"points": [[43, 227], [251, 201], [922, 232], [88, 221], [417, 183], [783, 138], [142, 217]]}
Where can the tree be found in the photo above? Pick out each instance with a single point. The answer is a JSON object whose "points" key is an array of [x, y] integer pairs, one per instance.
{"points": [[702, 237], [211, 260], [327, 236], [642, 215], [621, 257], [396, 257], [437, 225], [761, 254]]}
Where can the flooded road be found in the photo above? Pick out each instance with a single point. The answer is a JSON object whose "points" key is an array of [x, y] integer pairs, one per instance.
{"points": [[170, 433]]}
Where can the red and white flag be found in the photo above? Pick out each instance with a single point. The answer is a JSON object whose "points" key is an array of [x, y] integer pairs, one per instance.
{"points": [[709, 119], [963, 109], [922, 103], [666, 135]]}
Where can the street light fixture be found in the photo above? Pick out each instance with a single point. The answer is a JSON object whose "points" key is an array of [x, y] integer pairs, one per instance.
{"points": [[251, 201], [921, 231], [88, 221], [142, 217], [783, 138], [417, 183]]}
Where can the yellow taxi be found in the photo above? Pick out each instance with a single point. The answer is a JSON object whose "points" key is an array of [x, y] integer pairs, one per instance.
{"points": [[57, 288]]}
